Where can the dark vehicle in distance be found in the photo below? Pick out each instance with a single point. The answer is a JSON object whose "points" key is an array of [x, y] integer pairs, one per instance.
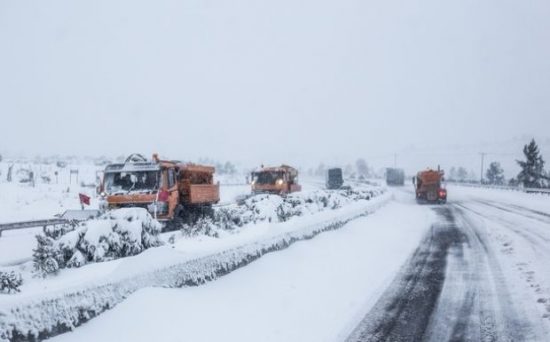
{"points": [[334, 178], [395, 177]]}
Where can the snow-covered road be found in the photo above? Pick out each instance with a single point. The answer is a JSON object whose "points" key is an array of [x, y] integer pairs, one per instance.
{"points": [[480, 274]]}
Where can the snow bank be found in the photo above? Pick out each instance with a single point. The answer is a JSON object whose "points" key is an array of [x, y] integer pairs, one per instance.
{"points": [[51, 313]]}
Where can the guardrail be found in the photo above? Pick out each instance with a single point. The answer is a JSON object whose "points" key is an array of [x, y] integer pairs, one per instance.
{"points": [[69, 216], [31, 224], [503, 187]]}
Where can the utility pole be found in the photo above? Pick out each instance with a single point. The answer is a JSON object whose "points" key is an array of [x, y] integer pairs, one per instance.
{"points": [[482, 160]]}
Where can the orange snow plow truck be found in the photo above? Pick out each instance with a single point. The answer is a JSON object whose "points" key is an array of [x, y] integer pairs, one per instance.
{"points": [[428, 186], [167, 189], [279, 180]]}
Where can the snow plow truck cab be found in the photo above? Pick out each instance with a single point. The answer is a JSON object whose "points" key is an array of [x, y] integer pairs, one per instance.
{"points": [[428, 186], [279, 180], [167, 189]]}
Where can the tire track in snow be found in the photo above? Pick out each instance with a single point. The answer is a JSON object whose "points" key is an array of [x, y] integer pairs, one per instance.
{"points": [[451, 289], [537, 241], [527, 246], [519, 210]]}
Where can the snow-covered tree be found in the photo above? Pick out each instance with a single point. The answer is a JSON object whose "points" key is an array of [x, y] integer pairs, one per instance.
{"points": [[10, 281], [532, 173], [46, 257], [495, 174], [116, 234]]}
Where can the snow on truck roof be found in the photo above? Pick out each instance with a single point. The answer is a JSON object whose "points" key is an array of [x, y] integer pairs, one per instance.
{"points": [[283, 168], [156, 166], [132, 167]]}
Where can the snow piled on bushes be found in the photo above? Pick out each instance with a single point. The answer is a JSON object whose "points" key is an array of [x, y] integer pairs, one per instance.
{"points": [[274, 208], [116, 234], [129, 231]]}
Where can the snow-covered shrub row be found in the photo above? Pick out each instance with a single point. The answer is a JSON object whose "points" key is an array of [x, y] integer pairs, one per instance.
{"points": [[274, 208], [51, 314], [116, 234], [10, 281]]}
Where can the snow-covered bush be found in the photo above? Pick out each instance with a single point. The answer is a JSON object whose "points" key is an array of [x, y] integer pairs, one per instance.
{"points": [[116, 234], [46, 256], [56, 231], [10, 281], [274, 208]]}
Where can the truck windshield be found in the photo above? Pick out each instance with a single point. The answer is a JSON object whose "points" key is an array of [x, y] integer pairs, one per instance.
{"points": [[131, 181], [267, 177]]}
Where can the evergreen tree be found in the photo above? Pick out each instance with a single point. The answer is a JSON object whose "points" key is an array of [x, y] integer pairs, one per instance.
{"points": [[532, 173], [10, 281], [495, 174], [46, 257]]}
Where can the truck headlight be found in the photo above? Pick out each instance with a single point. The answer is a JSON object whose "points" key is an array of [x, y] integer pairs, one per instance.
{"points": [[279, 182]]}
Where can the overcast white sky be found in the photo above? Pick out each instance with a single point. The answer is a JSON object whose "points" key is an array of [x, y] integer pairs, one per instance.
{"points": [[270, 81]]}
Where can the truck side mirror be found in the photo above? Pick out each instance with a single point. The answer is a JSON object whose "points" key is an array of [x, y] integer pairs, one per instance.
{"points": [[414, 180]]}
